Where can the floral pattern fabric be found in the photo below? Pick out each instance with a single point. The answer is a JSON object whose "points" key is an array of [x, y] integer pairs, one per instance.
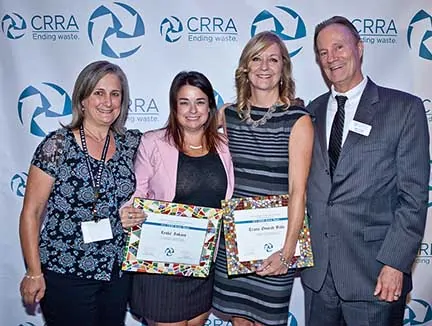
{"points": [[62, 248]]}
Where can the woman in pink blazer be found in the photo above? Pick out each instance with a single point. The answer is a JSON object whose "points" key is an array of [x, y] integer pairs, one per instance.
{"points": [[185, 162]]}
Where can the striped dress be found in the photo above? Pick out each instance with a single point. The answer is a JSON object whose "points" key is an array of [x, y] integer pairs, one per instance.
{"points": [[260, 157]]}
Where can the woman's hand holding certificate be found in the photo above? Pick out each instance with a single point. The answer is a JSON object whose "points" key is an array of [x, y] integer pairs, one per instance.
{"points": [[255, 230], [131, 216]]}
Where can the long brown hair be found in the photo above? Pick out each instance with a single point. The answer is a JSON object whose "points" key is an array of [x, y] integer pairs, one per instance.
{"points": [[174, 131]]}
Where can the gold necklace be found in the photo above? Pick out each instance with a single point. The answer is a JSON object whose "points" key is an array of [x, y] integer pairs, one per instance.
{"points": [[195, 147], [267, 115], [94, 137]]}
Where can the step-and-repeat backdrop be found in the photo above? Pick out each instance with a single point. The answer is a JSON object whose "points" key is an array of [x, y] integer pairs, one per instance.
{"points": [[44, 45]]}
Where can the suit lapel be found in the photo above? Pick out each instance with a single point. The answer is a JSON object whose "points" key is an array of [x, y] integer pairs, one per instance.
{"points": [[365, 114], [320, 126]]}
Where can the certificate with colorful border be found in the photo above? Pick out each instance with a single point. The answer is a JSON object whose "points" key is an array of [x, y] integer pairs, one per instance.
{"points": [[212, 215], [236, 267]]}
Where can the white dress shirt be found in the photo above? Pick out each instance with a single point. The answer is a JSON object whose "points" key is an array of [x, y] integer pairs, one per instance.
{"points": [[351, 105]]}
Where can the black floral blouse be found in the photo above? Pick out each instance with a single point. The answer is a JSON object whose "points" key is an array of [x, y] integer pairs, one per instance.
{"points": [[62, 249]]}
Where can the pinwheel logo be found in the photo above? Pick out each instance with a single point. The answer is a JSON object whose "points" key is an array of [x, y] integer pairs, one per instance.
{"points": [[117, 31], [13, 26], [430, 184], [171, 29], [169, 251], [428, 109], [419, 34], [219, 100], [292, 321], [284, 22], [18, 184], [417, 312], [39, 106], [268, 247]]}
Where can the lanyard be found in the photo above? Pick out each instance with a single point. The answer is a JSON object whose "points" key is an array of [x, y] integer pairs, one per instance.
{"points": [[95, 181]]}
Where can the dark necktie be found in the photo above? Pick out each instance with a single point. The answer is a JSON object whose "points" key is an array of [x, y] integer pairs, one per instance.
{"points": [[335, 142]]}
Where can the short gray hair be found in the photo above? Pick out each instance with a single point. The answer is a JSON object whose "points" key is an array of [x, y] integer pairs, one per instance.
{"points": [[335, 20]]}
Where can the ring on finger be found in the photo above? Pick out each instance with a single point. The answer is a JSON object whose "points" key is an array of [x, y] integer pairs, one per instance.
{"points": [[129, 216]]}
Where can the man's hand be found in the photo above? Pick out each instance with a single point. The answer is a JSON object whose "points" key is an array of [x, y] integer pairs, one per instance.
{"points": [[389, 284]]}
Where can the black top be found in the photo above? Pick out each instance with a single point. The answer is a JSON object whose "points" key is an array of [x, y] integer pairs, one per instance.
{"points": [[201, 181]]}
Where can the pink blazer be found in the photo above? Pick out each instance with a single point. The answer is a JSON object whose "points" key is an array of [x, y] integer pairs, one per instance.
{"points": [[156, 167]]}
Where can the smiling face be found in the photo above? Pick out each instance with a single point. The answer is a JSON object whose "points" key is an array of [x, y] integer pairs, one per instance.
{"points": [[339, 55], [265, 69], [192, 108], [103, 105]]}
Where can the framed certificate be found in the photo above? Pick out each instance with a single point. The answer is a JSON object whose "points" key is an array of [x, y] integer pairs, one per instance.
{"points": [[255, 227], [175, 239]]}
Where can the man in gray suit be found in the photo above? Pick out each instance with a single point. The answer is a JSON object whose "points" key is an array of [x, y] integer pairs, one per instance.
{"points": [[367, 191]]}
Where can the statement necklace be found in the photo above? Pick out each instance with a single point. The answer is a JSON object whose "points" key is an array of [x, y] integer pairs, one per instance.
{"points": [[263, 119]]}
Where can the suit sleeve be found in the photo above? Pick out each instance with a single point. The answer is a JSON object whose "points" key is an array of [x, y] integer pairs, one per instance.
{"points": [[404, 236]]}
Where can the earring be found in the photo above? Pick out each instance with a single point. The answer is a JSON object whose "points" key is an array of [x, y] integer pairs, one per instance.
{"points": [[281, 82]]}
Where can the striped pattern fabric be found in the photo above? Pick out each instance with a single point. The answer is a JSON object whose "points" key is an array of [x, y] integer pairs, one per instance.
{"points": [[260, 157], [335, 143]]}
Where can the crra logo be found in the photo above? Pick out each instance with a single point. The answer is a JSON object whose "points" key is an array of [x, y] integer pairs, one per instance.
{"points": [[417, 312], [13, 26], [171, 29], [18, 184], [285, 22], [117, 31], [419, 34], [39, 106]]}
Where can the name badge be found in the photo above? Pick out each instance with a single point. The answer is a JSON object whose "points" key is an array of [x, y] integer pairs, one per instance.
{"points": [[96, 231], [360, 128]]}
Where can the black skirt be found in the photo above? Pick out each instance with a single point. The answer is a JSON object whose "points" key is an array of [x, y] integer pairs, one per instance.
{"points": [[167, 299]]}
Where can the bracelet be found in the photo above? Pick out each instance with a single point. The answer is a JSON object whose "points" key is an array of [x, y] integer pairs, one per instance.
{"points": [[33, 277], [283, 260]]}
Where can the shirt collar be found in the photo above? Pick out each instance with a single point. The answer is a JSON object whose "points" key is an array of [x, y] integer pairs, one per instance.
{"points": [[353, 92]]}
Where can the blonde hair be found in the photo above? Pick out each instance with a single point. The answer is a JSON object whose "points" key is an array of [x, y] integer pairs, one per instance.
{"points": [[257, 44]]}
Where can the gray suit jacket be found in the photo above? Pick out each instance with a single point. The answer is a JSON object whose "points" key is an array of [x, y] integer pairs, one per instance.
{"points": [[374, 212]]}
